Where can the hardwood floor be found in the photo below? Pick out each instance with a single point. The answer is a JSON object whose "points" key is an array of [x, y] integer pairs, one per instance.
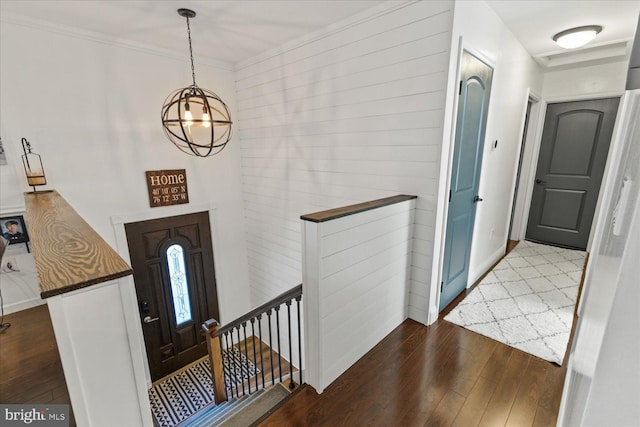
{"points": [[441, 375], [270, 370], [30, 367]]}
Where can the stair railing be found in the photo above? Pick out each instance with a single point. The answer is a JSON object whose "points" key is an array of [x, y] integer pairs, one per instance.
{"points": [[261, 331]]}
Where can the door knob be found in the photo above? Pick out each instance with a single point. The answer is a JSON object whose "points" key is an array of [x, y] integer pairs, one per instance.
{"points": [[539, 181], [148, 319], [477, 199]]}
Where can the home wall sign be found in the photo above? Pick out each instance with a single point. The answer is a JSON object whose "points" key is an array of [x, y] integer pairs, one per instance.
{"points": [[167, 187]]}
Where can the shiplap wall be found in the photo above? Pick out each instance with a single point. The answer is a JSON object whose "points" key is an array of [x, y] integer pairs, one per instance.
{"points": [[356, 285], [349, 114]]}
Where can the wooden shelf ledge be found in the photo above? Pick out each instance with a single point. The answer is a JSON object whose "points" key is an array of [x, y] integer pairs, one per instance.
{"points": [[68, 253], [331, 214]]}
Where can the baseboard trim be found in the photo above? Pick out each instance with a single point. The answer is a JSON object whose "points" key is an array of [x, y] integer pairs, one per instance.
{"points": [[477, 273], [23, 305]]}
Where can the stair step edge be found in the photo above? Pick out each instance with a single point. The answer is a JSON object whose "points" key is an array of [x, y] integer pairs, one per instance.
{"points": [[230, 407]]}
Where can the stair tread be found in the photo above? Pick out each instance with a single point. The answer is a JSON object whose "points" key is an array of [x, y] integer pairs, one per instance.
{"points": [[257, 407], [216, 413]]}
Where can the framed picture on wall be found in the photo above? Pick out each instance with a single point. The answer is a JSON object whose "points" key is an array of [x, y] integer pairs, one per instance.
{"points": [[13, 229]]}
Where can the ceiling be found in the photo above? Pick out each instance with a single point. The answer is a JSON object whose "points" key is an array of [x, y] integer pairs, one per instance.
{"points": [[535, 22], [223, 30], [234, 30]]}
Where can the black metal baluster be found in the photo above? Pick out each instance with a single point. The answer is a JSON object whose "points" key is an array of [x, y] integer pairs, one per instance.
{"points": [[230, 368], [224, 374], [273, 379], [246, 357], [279, 347], [232, 362], [261, 358], [298, 299], [253, 341], [291, 384], [240, 361], [237, 369]]}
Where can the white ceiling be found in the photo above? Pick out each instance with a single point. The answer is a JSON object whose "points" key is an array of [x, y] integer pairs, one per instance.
{"points": [[234, 30], [224, 30], [535, 22]]}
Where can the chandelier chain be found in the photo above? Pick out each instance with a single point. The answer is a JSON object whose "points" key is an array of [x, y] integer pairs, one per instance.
{"points": [[193, 70], [200, 135]]}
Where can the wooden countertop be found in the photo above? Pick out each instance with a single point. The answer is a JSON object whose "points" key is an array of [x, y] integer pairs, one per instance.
{"points": [[354, 209], [69, 254]]}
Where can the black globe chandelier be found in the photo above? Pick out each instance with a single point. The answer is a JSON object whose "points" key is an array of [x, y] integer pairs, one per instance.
{"points": [[195, 119]]}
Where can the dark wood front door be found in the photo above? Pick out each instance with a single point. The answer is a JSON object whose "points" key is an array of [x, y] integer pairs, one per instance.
{"points": [[573, 153], [172, 260]]}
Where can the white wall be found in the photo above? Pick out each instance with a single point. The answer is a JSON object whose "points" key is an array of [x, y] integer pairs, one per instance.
{"points": [[580, 82], [515, 72], [356, 286], [346, 115], [91, 108], [603, 373], [20, 289]]}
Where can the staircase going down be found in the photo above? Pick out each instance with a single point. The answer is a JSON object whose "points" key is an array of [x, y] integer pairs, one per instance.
{"points": [[240, 412]]}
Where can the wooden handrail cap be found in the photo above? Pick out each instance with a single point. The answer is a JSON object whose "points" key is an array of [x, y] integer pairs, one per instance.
{"points": [[210, 324]]}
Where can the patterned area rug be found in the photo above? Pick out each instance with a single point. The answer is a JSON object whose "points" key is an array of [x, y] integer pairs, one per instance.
{"points": [[184, 393], [527, 301]]}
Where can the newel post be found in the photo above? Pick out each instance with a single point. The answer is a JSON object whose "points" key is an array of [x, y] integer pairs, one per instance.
{"points": [[210, 327]]}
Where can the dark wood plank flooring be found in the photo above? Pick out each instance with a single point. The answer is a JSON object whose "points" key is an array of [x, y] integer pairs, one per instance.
{"points": [[30, 367], [440, 375]]}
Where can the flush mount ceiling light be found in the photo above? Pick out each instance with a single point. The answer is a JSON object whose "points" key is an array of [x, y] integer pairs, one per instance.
{"points": [[576, 37], [195, 119]]}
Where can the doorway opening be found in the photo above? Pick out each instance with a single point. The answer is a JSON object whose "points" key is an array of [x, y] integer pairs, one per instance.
{"points": [[473, 104], [573, 153], [174, 275], [527, 118]]}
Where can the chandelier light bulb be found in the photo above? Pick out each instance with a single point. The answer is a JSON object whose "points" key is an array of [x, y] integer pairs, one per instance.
{"points": [[188, 117], [206, 120]]}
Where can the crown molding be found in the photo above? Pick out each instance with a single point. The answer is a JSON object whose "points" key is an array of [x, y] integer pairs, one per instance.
{"points": [[94, 37], [616, 50]]}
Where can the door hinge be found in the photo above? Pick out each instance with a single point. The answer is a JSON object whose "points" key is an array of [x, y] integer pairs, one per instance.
{"points": [[441, 286], [460, 88], [449, 196]]}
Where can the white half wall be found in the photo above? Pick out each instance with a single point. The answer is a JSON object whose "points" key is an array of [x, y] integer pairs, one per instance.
{"points": [[91, 108], [97, 332], [356, 286]]}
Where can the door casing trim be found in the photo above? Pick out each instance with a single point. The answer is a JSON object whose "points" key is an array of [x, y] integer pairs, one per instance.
{"points": [[446, 158], [118, 222], [531, 159]]}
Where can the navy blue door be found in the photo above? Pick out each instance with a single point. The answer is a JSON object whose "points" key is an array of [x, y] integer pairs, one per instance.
{"points": [[473, 104]]}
